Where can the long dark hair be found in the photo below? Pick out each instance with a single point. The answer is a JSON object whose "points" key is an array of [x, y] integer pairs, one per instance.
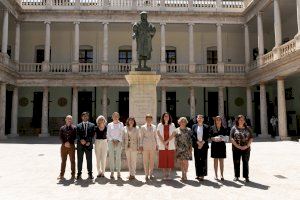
{"points": [[163, 116], [130, 118]]}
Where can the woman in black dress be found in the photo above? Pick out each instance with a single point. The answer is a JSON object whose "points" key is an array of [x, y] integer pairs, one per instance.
{"points": [[218, 136]]}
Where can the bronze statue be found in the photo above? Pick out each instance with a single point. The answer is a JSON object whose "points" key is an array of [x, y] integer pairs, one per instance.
{"points": [[143, 32]]}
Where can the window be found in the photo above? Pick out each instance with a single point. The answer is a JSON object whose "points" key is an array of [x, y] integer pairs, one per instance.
{"points": [[212, 55], [86, 55], [40, 55], [171, 56], [125, 56]]}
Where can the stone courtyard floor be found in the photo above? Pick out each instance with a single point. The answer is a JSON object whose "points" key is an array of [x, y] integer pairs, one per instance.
{"points": [[29, 168]]}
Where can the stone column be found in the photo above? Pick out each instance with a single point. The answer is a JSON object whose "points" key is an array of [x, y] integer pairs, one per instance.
{"points": [[17, 42], [105, 48], [297, 37], [220, 49], [47, 42], [277, 30], [47, 47], [75, 67], [247, 47], [163, 100], [104, 102], [75, 104], [260, 32], [163, 65], [298, 16], [45, 109], [5, 32], [282, 119], [221, 101], [192, 64], [2, 110], [263, 111], [14, 113], [249, 105], [192, 102], [134, 53], [277, 24]]}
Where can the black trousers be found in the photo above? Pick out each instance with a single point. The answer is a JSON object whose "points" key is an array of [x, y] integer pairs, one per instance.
{"points": [[237, 155], [200, 161], [81, 150]]}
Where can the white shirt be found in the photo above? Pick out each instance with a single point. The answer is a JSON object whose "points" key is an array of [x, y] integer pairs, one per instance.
{"points": [[200, 133], [114, 131]]}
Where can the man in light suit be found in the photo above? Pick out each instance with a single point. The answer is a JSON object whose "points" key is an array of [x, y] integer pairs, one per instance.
{"points": [[85, 136]]}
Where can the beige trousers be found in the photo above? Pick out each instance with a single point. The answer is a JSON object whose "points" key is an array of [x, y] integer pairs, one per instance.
{"points": [[101, 147], [148, 160], [131, 161]]}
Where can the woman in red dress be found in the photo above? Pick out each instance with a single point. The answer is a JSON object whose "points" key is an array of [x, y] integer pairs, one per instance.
{"points": [[166, 147]]}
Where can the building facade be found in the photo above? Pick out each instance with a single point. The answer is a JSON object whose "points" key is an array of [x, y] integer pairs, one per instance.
{"points": [[216, 57]]}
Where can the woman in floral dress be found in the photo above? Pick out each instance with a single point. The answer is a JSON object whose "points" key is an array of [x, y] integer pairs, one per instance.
{"points": [[183, 144]]}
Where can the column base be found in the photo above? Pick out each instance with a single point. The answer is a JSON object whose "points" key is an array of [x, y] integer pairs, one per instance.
{"points": [[44, 135], [264, 136], [3, 137], [13, 135], [283, 138], [104, 68], [75, 67]]}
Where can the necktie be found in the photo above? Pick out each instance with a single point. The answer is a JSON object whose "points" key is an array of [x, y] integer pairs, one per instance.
{"points": [[85, 129]]}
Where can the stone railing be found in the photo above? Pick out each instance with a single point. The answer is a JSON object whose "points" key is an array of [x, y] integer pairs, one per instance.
{"points": [[253, 65], [119, 68], [280, 52], [30, 67], [234, 68], [268, 58], [232, 4], [155, 5], [204, 4], [207, 68], [60, 67], [287, 48], [89, 68], [177, 68]]}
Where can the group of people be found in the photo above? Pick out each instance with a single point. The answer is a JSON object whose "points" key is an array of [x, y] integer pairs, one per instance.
{"points": [[170, 142]]}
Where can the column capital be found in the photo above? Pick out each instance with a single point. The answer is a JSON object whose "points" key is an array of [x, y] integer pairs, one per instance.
{"points": [[47, 22], [259, 13], [163, 23], [280, 78], [219, 24], [262, 83], [105, 23], [245, 25], [191, 24], [76, 22]]}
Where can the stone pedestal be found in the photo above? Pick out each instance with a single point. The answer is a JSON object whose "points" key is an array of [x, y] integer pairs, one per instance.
{"points": [[142, 95]]}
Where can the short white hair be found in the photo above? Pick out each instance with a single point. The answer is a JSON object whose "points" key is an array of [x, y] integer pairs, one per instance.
{"points": [[99, 118], [69, 116], [183, 118]]}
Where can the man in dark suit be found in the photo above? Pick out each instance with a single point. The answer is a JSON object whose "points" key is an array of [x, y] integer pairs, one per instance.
{"points": [[200, 136], [85, 136]]}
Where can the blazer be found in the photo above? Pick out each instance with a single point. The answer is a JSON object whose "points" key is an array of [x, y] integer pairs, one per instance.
{"points": [[81, 135], [131, 140], [160, 130], [148, 138], [205, 137]]}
